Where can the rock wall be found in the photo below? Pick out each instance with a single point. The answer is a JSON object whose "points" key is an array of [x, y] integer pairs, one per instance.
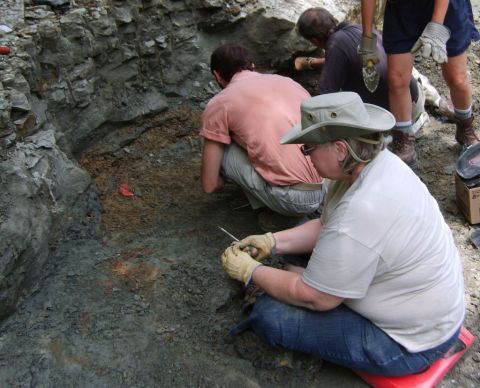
{"points": [[76, 73]]}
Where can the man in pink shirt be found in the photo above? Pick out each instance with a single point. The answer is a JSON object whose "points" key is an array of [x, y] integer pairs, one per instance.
{"points": [[242, 127]]}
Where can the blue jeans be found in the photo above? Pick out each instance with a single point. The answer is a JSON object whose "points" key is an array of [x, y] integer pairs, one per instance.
{"points": [[340, 336]]}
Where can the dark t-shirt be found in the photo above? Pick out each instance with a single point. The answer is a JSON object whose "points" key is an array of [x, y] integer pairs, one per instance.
{"points": [[343, 67]]}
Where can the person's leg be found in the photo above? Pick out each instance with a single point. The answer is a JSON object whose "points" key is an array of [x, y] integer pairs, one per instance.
{"points": [[399, 75], [237, 167], [441, 105], [459, 20], [432, 96], [283, 200], [340, 336], [455, 73], [418, 106], [419, 115], [290, 201]]}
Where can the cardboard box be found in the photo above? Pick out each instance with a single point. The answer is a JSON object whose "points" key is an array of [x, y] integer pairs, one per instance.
{"points": [[468, 200]]}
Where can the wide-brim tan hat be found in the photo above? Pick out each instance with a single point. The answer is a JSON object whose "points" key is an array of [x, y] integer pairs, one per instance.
{"points": [[334, 116]]}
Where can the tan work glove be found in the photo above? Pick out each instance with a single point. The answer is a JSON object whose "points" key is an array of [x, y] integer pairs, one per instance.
{"points": [[239, 265], [259, 246], [368, 50], [433, 42]]}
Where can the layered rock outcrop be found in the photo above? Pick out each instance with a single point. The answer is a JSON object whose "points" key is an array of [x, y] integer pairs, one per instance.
{"points": [[73, 75]]}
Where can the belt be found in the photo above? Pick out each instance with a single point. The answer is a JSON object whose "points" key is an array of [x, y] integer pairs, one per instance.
{"points": [[306, 186]]}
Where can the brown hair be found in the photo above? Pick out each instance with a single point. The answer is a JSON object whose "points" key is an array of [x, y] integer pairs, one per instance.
{"points": [[316, 23], [229, 59]]}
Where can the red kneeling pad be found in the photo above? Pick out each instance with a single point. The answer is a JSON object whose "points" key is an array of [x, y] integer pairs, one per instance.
{"points": [[432, 376]]}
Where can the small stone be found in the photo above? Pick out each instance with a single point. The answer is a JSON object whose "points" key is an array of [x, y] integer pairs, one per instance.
{"points": [[149, 43], [235, 10], [5, 29], [476, 357], [20, 101], [449, 170], [26, 124], [108, 334]]}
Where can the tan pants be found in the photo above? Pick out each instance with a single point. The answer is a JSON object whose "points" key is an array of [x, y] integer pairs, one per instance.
{"points": [[286, 200], [431, 95], [419, 115]]}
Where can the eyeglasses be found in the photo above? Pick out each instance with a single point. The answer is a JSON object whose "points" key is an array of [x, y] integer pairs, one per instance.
{"points": [[307, 149]]}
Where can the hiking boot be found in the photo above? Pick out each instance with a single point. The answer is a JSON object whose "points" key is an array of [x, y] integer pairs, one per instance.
{"points": [[465, 134], [403, 146]]}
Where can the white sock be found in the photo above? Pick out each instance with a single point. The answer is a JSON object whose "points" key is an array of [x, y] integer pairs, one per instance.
{"points": [[403, 126], [463, 114]]}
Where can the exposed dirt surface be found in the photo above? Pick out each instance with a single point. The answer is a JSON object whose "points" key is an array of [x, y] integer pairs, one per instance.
{"points": [[148, 304], [162, 169]]}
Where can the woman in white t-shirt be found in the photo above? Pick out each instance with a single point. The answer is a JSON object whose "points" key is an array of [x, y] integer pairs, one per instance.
{"points": [[382, 291]]}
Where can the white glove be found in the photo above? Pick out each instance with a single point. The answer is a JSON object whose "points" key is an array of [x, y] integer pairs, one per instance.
{"points": [[433, 42], [368, 50]]}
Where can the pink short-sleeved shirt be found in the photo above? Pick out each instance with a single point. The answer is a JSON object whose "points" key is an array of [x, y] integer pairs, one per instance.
{"points": [[255, 110]]}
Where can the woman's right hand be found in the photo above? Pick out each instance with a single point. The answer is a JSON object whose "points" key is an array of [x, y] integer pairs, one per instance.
{"points": [[259, 246]]}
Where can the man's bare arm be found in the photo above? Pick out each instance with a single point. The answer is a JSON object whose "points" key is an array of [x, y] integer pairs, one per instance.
{"points": [[212, 157]]}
